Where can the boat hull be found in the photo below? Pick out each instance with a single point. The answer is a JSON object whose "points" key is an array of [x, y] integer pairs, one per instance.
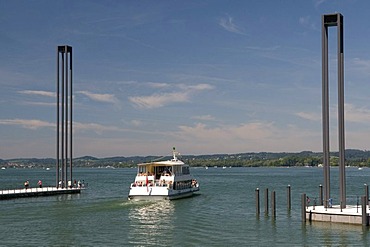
{"points": [[151, 195]]}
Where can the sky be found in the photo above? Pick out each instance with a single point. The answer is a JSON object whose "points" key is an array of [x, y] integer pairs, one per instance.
{"points": [[206, 77]]}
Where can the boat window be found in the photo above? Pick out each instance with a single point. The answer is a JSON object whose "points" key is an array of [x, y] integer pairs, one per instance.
{"points": [[185, 170], [182, 185], [177, 170], [142, 169]]}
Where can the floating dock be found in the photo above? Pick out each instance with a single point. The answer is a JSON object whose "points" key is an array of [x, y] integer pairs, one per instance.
{"points": [[349, 215], [33, 192]]}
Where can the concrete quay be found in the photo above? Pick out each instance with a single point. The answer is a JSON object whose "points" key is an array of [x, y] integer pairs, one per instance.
{"points": [[33, 192], [352, 214]]}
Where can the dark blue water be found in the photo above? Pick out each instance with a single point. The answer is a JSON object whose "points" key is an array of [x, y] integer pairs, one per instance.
{"points": [[223, 214]]}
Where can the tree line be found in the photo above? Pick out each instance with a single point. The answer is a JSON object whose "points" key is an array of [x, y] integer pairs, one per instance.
{"points": [[353, 157]]}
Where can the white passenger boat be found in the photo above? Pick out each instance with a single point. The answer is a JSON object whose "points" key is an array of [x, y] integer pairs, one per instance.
{"points": [[160, 180]]}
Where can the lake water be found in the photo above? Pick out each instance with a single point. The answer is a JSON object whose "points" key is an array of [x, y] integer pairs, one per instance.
{"points": [[223, 214]]}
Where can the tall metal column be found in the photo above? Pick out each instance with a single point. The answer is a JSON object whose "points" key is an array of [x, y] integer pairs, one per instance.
{"points": [[341, 132], [331, 20], [64, 121], [325, 113]]}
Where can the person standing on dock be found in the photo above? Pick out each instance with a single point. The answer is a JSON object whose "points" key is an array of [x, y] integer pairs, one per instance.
{"points": [[26, 184], [39, 183]]}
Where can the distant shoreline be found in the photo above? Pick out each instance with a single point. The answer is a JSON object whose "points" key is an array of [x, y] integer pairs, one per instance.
{"points": [[354, 157]]}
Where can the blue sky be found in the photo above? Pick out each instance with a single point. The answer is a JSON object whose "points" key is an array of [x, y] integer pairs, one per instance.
{"points": [[205, 76]]}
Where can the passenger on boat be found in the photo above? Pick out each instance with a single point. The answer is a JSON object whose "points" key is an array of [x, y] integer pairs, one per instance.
{"points": [[194, 183]]}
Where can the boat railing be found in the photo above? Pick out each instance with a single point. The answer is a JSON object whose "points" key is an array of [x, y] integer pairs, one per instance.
{"points": [[152, 183]]}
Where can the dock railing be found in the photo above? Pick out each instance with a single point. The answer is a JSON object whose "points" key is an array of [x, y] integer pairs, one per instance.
{"points": [[31, 190]]}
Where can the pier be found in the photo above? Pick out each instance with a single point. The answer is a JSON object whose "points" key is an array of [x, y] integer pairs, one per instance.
{"points": [[349, 215], [34, 192]]}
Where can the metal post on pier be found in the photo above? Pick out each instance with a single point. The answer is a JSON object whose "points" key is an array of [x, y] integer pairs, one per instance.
{"points": [[258, 201], [303, 207], [365, 217], [367, 193], [273, 204], [266, 201], [321, 196], [289, 198], [64, 116]]}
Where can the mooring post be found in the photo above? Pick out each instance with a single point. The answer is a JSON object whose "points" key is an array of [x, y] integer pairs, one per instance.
{"points": [[289, 198], [321, 196], [367, 193], [266, 201], [258, 201], [365, 218], [303, 207], [273, 204]]}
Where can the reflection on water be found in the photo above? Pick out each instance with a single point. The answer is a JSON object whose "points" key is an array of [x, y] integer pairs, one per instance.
{"points": [[331, 232], [150, 221]]}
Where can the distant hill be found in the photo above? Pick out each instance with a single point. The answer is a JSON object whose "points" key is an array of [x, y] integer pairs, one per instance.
{"points": [[354, 157]]}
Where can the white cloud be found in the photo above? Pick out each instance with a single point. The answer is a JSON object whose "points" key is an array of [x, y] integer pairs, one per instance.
{"points": [[204, 117], [27, 123], [97, 128], [306, 21], [351, 114], [319, 2], [360, 66], [247, 137], [230, 26], [360, 62], [136, 123], [159, 100], [158, 85], [35, 92], [249, 131], [357, 115], [77, 126], [198, 87], [309, 116], [162, 99], [106, 98]]}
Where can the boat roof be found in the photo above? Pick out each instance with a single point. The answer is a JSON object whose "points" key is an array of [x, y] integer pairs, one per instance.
{"points": [[163, 163], [173, 162]]}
